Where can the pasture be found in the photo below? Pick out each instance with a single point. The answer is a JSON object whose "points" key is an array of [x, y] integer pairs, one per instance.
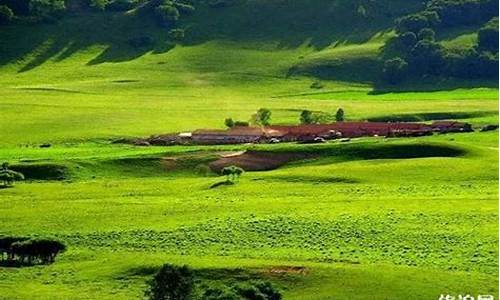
{"points": [[388, 224]]}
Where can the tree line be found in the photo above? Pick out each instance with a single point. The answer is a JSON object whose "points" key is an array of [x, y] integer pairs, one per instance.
{"points": [[263, 118], [414, 51], [28, 251]]}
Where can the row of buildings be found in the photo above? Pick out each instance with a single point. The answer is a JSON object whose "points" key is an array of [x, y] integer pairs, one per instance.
{"points": [[282, 133]]}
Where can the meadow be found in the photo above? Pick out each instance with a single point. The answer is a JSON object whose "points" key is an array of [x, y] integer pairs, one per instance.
{"points": [[363, 220]]}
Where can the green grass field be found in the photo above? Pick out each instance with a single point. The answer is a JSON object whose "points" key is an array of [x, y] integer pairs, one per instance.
{"points": [[373, 218]]}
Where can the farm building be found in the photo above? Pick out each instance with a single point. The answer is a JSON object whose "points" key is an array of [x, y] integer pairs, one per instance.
{"points": [[284, 133], [236, 135]]}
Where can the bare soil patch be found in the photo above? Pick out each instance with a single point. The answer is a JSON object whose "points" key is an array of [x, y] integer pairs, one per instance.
{"points": [[256, 160]]}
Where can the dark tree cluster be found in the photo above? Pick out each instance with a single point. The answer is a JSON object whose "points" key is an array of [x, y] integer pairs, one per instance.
{"points": [[179, 283], [310, 117], [25, 251], [8, 177], [171, 283], [414, 52]]}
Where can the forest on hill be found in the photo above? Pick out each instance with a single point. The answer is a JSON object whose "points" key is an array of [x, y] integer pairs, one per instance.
{"points": [[414, 47]]}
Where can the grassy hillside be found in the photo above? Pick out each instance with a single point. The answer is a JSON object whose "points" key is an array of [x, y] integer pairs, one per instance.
{"points": [[372, 218]]}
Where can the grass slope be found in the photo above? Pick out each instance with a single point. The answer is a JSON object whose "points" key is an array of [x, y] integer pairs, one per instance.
{"points": [[366, 222]]}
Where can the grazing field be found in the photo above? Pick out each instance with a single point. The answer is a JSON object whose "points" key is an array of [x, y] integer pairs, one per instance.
{"points": [[371, 218]]}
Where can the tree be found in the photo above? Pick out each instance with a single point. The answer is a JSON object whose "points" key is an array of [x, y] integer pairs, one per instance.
{"points": [[262, 117], [171, 283], [8, 177], [339, 115], [47, 9], [395, 70], [167, 14], [229, 122], [306, 117], [427, 58], [232, 173], [427, 34], [6, 15]]}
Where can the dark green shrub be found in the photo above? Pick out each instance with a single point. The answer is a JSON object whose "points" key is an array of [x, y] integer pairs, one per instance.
{"points": [[6, 15], [241, 124], [306, 117], [229, 122], [220, 293], [258, 291], [171, 283]]}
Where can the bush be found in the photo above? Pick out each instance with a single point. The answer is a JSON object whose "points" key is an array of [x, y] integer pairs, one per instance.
{"points": [[220, 293], [306, 117], [258, 291], [229, 122], [241, 124], [6, 15], [171, 283]]}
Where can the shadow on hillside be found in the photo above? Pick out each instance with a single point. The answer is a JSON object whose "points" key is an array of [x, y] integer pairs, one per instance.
{"points": [[315, 23], [432, 84], [125, 38], [420, 117]]}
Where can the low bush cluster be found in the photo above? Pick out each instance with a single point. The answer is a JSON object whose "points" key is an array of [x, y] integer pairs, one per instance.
{"points": [[23, 250]]}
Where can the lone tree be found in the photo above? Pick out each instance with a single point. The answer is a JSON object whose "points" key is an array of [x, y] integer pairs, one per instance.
{"points": [[8, 177], [339, 116], [171, 283], [306, 117], [229, 122], [232, 173], [262, 117]]}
